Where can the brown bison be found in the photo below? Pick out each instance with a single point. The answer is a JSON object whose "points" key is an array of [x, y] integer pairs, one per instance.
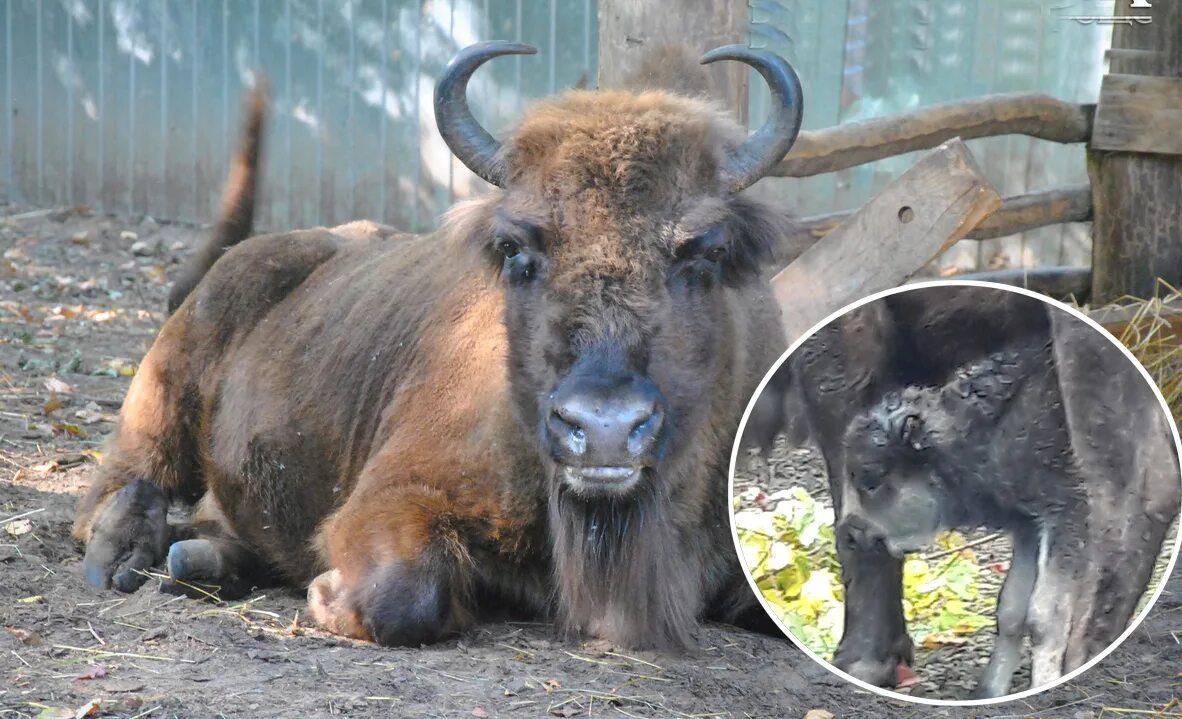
{"points": [[531, 408]]}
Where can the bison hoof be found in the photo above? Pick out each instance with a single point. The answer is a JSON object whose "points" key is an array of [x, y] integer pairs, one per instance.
{"points": [[393, 607], [130, 536]]}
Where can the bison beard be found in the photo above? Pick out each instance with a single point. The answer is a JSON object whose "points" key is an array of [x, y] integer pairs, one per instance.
{"points": [[529, 409], [616, 571]]}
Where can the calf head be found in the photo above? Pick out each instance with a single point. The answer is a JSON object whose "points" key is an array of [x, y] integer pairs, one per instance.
{"points": [[620, 240], [912, 459]]}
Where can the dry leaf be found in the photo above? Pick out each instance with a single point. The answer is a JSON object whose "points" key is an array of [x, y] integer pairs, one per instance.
{"points": [[71, 429], [55, 385], [90, 414], [905, 678], [551, 684], [89, 709], [818, 714], [480, 712], [94, 671], [26, 637], [17, 527], [53, 404]]}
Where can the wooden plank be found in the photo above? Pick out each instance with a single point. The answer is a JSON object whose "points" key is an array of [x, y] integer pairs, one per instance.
{"points": [[1019, 213], [858, 143], [629, 30], [1139, 113], [915, 218]]}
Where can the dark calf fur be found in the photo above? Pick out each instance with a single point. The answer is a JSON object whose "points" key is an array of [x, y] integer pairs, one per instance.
{"points": [[995, 401], [849, 365], [370, 415]]}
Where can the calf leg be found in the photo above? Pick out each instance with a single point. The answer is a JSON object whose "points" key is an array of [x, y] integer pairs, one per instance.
{"points": [[1012, 605], [400, 573], [1056, 587], [874, 641]]}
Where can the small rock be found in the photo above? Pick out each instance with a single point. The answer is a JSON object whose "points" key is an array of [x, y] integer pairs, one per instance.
{"points": [[128, 236], [177, 246], [143, 249], [149, 222]]}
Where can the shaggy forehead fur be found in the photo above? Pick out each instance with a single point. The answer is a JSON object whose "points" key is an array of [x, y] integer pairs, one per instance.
{"points": [[618, 175]]}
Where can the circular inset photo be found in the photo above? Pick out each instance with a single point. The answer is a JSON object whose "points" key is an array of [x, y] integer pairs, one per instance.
{"points": [[960, 492]]}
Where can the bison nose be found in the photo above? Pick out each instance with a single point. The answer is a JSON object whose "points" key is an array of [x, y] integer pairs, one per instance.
{"points": [[615, 428]]}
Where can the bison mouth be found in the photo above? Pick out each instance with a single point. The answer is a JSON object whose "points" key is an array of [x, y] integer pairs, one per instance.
{"points": [[600, 480]]}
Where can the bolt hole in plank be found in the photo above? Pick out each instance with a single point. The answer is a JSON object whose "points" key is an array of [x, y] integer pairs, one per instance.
{"points": [[906, 214]]}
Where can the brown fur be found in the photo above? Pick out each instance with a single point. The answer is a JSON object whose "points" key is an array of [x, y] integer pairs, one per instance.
{"points": [[364, 415]]}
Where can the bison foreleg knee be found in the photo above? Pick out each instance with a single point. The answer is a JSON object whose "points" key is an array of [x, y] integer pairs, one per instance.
{"points": [[130, 535], [400, 603], [219, 566]]}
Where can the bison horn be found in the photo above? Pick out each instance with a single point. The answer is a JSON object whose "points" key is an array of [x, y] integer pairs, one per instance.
{"points": [[468, 141], [768, 145]]}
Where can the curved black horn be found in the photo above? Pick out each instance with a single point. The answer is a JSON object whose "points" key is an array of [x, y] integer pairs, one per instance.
{"points": [[768, 145], [468, 141]]}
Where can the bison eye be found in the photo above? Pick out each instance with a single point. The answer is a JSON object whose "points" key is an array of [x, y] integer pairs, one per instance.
{"points": [[715, 254], [507, 247]]}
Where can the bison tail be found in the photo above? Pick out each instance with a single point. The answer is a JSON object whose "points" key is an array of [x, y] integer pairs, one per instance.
{"points": [[236, 217]]}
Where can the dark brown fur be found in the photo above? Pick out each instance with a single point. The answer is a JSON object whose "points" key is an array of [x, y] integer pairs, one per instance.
{"points": [[363, 413]]}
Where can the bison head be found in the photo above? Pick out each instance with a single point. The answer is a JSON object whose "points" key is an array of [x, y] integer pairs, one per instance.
{"points": [[914, 462], [616, 236], [630, 274]]}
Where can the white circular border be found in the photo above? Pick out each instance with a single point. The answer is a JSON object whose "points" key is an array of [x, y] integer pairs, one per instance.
{"points": [[897, 695]]}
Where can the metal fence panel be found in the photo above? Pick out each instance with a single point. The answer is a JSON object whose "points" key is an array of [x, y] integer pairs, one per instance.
{"points": [[133, 106]]}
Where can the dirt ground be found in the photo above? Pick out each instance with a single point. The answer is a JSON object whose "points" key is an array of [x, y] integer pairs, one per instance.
{"points": [[77, 309]]}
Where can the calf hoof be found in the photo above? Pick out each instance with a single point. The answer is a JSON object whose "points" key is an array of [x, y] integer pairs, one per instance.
{"points": [[879, 671], [398, 605], [130, 536]]}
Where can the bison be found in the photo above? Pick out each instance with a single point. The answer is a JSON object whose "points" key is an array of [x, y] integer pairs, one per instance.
{"points": [[531, 408], [966, 406]]}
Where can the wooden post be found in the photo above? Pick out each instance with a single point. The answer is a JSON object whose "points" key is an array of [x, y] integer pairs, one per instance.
{"points": [[627, 28], [1137, 225]]}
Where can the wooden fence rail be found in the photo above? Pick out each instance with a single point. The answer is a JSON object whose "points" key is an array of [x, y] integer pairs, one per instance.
{"points": [[838, 148]]}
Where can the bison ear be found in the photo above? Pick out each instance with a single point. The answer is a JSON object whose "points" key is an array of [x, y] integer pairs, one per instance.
{"points": [[912, 432]]}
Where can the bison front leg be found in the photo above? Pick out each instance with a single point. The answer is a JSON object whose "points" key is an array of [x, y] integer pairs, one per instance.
{"points": [[400, 574], [874, 640], [122, 519]]}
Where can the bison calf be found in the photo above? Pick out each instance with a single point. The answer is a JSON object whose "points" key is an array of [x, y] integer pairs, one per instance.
{"points": [[999, 446]]}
